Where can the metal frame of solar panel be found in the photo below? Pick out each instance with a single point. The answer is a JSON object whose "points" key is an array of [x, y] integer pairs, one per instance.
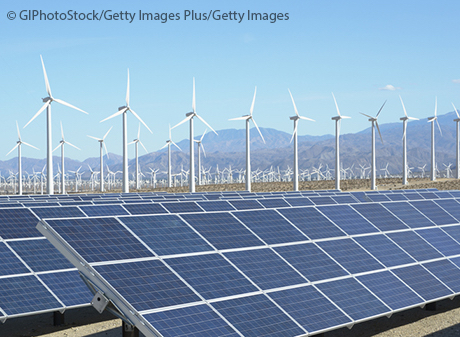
{"points": [[260, 272]]}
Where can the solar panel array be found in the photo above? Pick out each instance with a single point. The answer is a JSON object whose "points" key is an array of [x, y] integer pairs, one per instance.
{"points": [[283, 270]]}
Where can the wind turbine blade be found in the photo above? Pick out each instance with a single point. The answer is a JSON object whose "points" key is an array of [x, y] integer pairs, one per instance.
{"points": [[378, 129], [72, 145], [413, 118], [119, 112], [239, 118], [107, 133], [202, 147], [137, 116], [39, 111], [253, 101], [143, 147], [439, 127], [17, 144], [293, 133], [134, 141], [30, 145], [306, 118], [203, 135], [193, 98], [161, 148], [435, 106], [94, 138], [183, 121], [17, 128], [57, 147], [258, 129], [169, 125], [106, 152], [48, 89], [293, 103], [345, 117], [69, 105], [336, 105], [176, 145], [456, 111], [139, 131], [378, 113], [62, 132], [209, 126], [404, 108], [366, 115], [127, 91]]}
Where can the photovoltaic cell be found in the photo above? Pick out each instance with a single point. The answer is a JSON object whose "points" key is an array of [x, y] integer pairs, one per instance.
{"points": [[270, 226], [166, 234], [182, 207], [18, 223], [196, 321], [434, 212], [311, 261], [353, 298], [379, 217], [447, 272], [211, 275], [68, 286], [422, 282], [322, 200], [100, 239], [408, 214], [257, 316], [11, 265], [396, 197], [309, 308], [218, 205], [265, 268], [222, 230], [414, 245], [299, 201], [428, 195], [312, 223], [440, 240], [377, 197], [145, 208], [348, 219], [274, 203], [390, 290], [351, 256], [413, 196], [57, 212], [104, 210], [344, 199], [153, 286], [245, 204]]}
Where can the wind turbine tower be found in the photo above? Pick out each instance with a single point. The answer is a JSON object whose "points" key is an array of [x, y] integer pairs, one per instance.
{"points": [[101, 157], [61, 144], [433, 153], [405, 119]]}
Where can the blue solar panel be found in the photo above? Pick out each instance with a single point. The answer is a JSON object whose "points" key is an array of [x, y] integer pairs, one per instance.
{"points": [[196, 321], [265, 268], [351, 256], [434, 212], [104, 210], [415, 246], [428, 195], [309, 308], [299, 201], [447, 272], [390, 290], [222, 230], [245, 204], [211, 275], [68, 286], [11, 265], [100, 239], [182, 207], [274, 203], [166, 234], [348, 219], [353, 298], [408, 214], [384, 250], [451, 206], [40, 255], [322, 200], [440, 240], [18, 223], [25, 294], [145, 208], [344, 199], [57, 212], [270, 226], [377, 197], [309, 260], [153, 286], [314, 224], [257, 316], [413, 196], [453, 231], [379, 217], [218, 205], [396, 197], [422, 282]]}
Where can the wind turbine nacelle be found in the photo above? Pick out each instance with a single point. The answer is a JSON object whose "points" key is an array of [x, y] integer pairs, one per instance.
{"points": [[46, 99], [122, 107], [294, 118], [189, 113]]}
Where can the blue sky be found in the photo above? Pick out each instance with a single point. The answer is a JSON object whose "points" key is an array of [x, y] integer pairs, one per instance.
{"points": [[354, 49]]}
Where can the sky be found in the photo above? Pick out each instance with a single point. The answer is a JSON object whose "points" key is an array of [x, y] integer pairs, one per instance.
{"points": [[365, 52]]}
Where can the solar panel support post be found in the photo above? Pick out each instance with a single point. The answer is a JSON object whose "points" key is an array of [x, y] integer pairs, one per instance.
{"points": [[58, 318], [129, 330]]}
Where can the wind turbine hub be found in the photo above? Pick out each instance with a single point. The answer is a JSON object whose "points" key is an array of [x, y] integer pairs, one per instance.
{"points": [[294, 118], [189, 114], [122, 107], [46, 99]]}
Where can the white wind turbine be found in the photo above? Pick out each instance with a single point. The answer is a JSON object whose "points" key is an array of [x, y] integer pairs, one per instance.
{"points": [[47, 106], [76, 177], [101, 157], [124, 110], [18, 145], [137, 141], [374, 124], [189, 116], [338, 122], [457, 143], [294, 136], [200, 147], [168, 144], [61, 144], [433, 154], [247, 118], [405, 119]]}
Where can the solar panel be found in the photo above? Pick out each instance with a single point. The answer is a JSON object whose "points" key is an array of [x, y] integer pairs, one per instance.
{"points": [[57, 212], [274, 203], [299, 201], [347, 219], [414, 245], [245, 204], [408, 214], [145, 208], [11, 265], [17, 223], [182, 207], [434, 212], [440, 240], [218, 205], [451, 206], [379, 217], [101, 210]]}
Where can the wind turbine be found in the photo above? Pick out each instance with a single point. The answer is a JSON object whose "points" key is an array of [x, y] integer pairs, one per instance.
{"points": [[47, 106], [101, 159], [168, 144], [61, 144], [200, 147], [189, 116], [248, 153], [137, 141], [433, 154], [123, 110], [76, 177], [338, 122], [294, 136], [18, 145], [374, 124], [457, 144], [405, 119]]}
